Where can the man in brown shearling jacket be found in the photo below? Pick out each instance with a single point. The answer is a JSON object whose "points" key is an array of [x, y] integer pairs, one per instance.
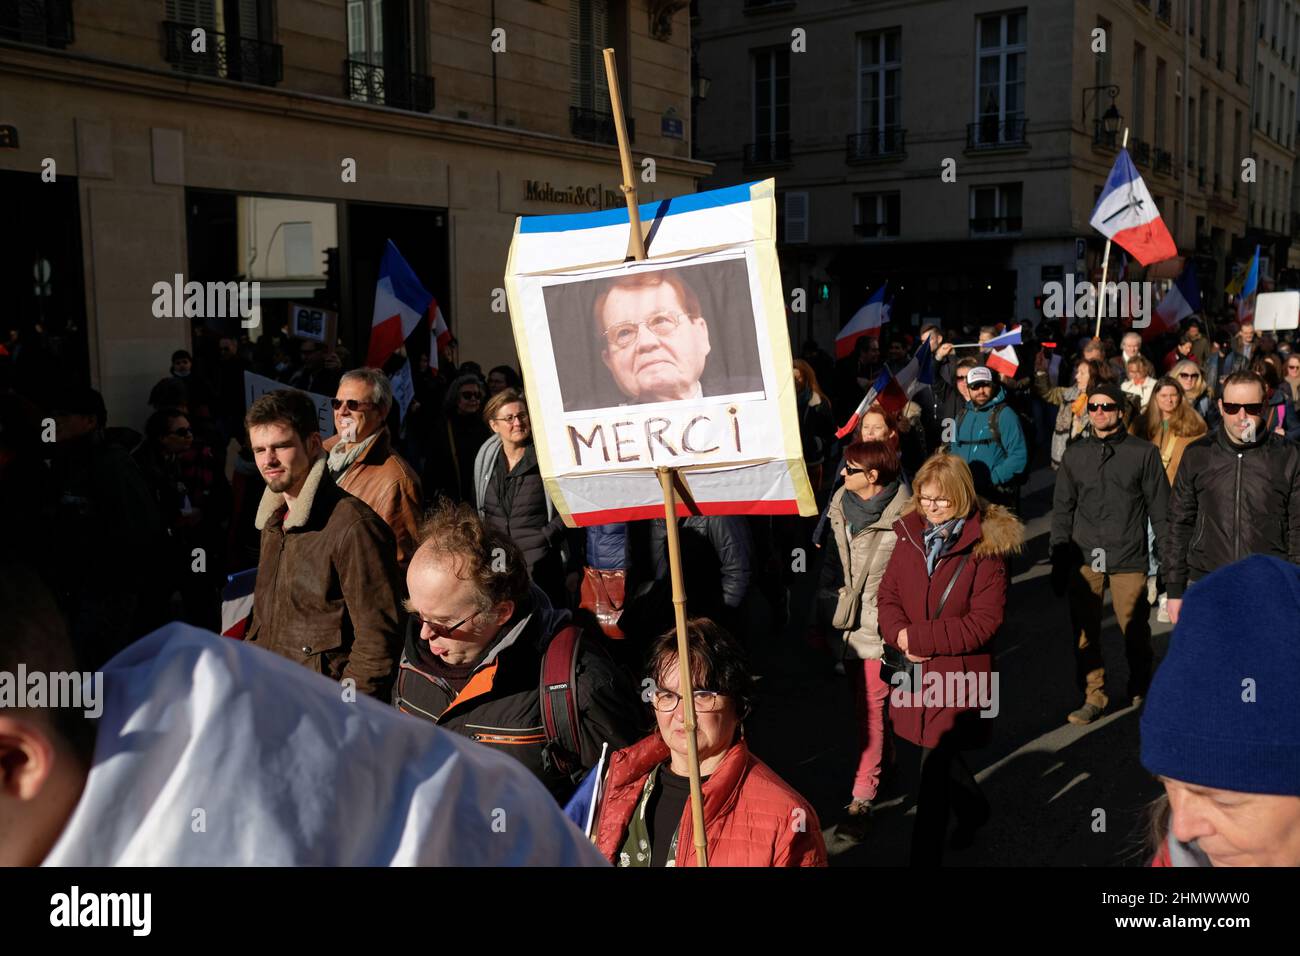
{"points": [[363, 463], [327, 592]]}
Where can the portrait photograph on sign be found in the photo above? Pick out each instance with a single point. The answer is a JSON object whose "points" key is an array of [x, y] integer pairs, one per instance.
{"points": [[645, 335]]}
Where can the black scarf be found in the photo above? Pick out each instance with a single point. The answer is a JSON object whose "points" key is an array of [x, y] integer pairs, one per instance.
{"points": [[859, 514]]}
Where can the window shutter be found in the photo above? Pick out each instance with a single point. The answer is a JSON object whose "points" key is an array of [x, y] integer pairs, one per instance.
{"points": [[796, 217]]}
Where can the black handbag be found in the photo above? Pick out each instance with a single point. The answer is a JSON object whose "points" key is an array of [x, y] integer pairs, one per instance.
{"points": [[895, 661]]}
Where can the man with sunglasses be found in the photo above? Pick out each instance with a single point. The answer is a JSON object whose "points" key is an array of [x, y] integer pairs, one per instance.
{"points": [[362, 461], [1237, 493], [326, 593], [476, 635], [989, 438], [1109, 485]]}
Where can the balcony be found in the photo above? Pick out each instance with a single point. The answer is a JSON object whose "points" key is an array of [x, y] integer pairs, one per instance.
{"points": [[995, 225], [1140, 151], [227, 57], [38, 22], [989, 133], [1164, 162], [770, 151], [885, 143], [597, 126], [1102, 138], [366, 83], [1165, 11]]}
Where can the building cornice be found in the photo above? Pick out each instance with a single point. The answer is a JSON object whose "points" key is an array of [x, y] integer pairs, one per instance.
{"points": [[29, 62]]}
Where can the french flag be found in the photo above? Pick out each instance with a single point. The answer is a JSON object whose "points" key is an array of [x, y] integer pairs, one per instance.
{"points": [[1004, 361], [1006, 338], [439, 334], [237, 603], [400, 303], [1246, 301], [1182, 299], [1126, 214], [893, 392], [866, 321]]}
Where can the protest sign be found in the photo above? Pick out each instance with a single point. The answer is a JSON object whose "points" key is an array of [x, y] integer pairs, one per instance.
{"points": [[313, 323], [681, 360], [257, 385], [1277, 311]]}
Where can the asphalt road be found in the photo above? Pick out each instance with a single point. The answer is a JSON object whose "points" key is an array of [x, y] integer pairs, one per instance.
{"points": [[1062, 795]]}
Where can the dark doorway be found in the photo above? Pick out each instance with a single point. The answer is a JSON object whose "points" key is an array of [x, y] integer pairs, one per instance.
{"points": [[420, 234], [44, 319]]}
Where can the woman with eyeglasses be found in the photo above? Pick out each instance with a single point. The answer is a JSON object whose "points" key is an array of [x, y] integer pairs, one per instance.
{"points": [[1196, 391], [189, 486], [751, 816], [511, 498], [862, 515], [1072, 418], [1290, 390], [457, 436], [940, 604]]}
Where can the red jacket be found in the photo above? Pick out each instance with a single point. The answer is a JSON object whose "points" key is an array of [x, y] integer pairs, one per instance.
{"points": [[959, 641], [751, 816]]}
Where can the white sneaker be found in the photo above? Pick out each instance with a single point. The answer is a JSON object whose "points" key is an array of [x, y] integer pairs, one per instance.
{"points": [[1162, 615], [1151, 590]]}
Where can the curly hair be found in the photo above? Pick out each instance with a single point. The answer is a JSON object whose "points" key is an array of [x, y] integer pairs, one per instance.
{"points": [[454, 533], [718, 662]]}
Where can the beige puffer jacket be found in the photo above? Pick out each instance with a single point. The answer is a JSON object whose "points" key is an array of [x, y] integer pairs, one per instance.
{"points": [[864, 559]]}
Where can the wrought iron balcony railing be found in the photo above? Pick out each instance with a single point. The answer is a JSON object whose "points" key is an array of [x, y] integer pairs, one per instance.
{"points": [[367, 83], [39, 22], [597, 127], [990, 133], [229, 57], [884, 143], [768, 151]]}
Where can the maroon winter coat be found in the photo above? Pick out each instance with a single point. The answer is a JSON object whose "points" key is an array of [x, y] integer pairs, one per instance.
{"points": [[959, 641]]}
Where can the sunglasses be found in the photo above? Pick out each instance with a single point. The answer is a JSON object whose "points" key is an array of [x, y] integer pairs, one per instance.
{"points": [[471, 397], [1232, 408], [1098, 407], [974, 385], [850, 470], [181, 432], [352, 404], [440, 630]]}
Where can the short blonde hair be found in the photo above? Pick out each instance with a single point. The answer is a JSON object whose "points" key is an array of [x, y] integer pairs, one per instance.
{"points": [[507, 396], [954, 479]]}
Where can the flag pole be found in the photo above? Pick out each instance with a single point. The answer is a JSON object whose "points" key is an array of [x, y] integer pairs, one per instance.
{"points": [[667, 481], [636, 246], [1105, 261]]}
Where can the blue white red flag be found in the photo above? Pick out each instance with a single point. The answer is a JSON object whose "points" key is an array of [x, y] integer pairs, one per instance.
{"points": [[1126, 214], [401, 302], [237, 603], [866, 321]]}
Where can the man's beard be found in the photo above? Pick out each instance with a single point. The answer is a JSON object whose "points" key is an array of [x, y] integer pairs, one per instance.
{"points": [[281, 484]]}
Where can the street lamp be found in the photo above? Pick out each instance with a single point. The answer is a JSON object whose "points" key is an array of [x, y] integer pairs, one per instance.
{"points": [[1110, 121]]}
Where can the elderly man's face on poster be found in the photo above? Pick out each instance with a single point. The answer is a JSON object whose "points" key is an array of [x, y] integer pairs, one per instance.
{"points": [[651, 343]]}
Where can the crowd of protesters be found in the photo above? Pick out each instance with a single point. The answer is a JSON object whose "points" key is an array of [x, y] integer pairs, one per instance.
{"points": [[416, 557]]}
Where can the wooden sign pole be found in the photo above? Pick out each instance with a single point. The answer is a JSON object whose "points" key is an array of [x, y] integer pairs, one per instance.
{"points": [[667, 479]]}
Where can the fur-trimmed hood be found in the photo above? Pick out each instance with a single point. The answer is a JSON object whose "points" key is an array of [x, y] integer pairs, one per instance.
{"points": [[997, 533], [300, 510]]}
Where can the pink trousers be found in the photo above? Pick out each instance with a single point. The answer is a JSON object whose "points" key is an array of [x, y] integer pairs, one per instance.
{"points": [[870, 691]]}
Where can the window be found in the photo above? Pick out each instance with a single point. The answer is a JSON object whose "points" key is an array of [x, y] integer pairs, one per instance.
{"points": [[1222, 40], [588, 35], [995, 209], [1161, 92], [879, 69], [366, 33], [876, 215], [238, 45], [795, 224], [1218, 142], [1241, 41], [1000, 79], [772, 104], [1139, 90]]}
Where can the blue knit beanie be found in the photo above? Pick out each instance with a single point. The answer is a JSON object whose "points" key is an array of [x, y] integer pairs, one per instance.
{"points": [[1223, 710]]}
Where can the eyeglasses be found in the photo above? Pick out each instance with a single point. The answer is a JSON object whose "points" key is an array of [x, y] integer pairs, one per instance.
{"points": [[440, 630], [1232, 408], [662, 324], [934, 502], [511, 419], [181, 432], [352, 404], [850, 470], [1098, 407], [706, 701]]}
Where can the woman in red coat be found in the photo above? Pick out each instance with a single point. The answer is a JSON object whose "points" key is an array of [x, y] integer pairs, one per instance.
{"points": [[940, 603], [751, 816]]}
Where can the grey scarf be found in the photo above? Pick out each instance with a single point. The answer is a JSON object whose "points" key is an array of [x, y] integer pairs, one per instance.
{"points": [[344, 454]]}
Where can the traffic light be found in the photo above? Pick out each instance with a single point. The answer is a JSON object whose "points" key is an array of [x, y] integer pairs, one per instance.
{"points": [[332, 276], [823, 292]]}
